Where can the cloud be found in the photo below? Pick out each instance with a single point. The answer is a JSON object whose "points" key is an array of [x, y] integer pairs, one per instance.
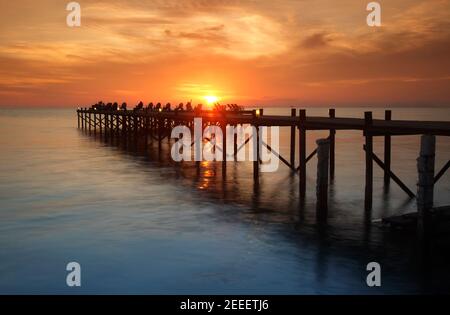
{"points": [[315, 41], [268, 50]]}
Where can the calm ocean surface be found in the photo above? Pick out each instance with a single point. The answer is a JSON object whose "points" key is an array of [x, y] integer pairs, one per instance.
{"points": [[138, 224]]}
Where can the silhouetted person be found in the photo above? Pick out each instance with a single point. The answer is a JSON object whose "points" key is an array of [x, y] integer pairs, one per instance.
{"points": [[198, 109], [180, 108], [138, 107]]}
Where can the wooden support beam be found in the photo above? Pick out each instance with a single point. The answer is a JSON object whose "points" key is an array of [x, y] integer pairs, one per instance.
{"points": [[391, 174], [243, 145], [292, 148], [278, 155], [78, 118], [369, 161], [302, 154], [442, 172], [311, 155], [332, 114], [323, 150], [82, 119], [387, 150], [425, 186]]}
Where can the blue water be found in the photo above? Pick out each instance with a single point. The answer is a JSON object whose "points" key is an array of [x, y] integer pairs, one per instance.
{"points": [[137, 223]]}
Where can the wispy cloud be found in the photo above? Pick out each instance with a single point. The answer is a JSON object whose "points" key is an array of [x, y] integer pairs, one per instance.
{"points": [[246, 50]]}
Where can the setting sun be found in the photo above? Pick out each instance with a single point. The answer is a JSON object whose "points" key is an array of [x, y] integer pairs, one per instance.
{"points": [[211, 99]]}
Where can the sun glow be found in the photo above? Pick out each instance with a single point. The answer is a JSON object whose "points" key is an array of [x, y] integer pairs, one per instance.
{"points": [[210, 99]]}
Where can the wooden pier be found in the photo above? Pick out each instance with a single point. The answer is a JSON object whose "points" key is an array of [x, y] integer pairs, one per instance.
{"points": [[157, 124]]}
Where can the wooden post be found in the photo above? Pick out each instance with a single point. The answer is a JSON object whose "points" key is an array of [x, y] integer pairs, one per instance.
{"points": [[332, 114], [113, 116], [95, 123], [78, 118], [152, 127], [82, 119], [302, 154], [117, 125], [224, 146], [106, 126], [124, 126], [425, 186], [169, 130], [135, 126], [235, 146], [323, 150], [159, 133], [111, 126], [146, 127], [90, 122], [387, 150], [293, 114], [256, 148], [100, 124], [369, 162]]}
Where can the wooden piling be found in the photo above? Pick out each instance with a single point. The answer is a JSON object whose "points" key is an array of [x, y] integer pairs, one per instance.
{"points": [[292, 148], [82, 119], [124, 126], [256, 147], [95, 123], [332, 114], [235, 142], [78, 118], [387, 150], [112, 131], [224, 146], [146, 128], [100, 128], [160, 133], [369, 162], [135, 127], [90, 123], [425, 185], [118, 125], [323, 153], [302, 154], [106, 126]]}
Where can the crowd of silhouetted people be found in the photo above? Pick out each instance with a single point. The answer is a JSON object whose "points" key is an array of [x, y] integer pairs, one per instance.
{"points": [[166, 108]]}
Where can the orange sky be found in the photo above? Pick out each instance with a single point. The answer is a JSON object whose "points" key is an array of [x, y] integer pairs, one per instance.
{"points": [[259, 52]]}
